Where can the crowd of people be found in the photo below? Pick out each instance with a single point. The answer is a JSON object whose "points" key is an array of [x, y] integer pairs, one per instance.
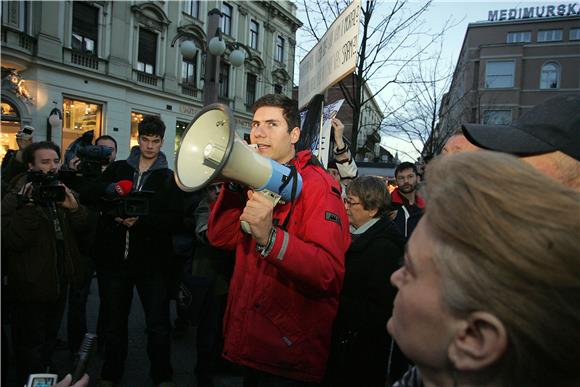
{"points": [[471, 278]]}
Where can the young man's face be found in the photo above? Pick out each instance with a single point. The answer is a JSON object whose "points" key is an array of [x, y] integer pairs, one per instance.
{"points": [[45, 160], [407, 180], [270, 133], [150, 146]]}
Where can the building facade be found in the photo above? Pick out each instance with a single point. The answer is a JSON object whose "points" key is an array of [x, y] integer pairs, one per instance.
{"points": [[509, 64], [104, 65]]}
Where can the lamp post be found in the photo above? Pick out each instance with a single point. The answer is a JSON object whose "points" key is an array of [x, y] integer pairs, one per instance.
{"points": [[214, 49]]}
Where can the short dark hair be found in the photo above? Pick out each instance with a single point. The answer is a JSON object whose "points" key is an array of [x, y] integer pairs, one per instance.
{"points": [[406, 165], [372, 193], [30, 151], [152, 126], [288, 105], [107, 137]]}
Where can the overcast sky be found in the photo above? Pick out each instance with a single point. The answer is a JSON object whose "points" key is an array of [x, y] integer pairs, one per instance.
{"points": [[461, 13]]}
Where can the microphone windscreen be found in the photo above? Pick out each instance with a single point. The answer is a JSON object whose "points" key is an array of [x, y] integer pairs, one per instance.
{"points": [[123, 187]]}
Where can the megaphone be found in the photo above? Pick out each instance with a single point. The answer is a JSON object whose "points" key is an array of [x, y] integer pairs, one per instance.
{"points": [[210, 148]]}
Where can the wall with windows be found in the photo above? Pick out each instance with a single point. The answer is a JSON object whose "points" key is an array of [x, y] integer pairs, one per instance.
{"points": [[107, 67], [505, 68]]}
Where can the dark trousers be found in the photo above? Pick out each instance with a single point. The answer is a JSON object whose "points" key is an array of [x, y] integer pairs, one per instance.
{"points": [[34, 330], [77, 315], [116, 291], [255, 378], [209, 340]]}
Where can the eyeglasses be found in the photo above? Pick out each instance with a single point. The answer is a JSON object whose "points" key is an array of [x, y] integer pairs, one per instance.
{"points": [[350, 202]]}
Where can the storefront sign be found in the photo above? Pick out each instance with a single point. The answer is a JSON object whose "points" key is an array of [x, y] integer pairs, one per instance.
{"points": [[188, 109], [569, 9]]}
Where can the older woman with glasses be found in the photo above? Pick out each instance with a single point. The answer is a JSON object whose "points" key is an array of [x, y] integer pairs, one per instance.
{"points": [[489, 294], [360, 346]]}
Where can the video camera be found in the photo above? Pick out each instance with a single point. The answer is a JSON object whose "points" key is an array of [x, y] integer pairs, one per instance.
{"points": [[136, 204], [46, 187], [93, 157]]}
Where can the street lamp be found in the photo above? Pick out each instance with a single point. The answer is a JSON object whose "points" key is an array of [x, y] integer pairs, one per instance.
{"points": [[215, 48]]}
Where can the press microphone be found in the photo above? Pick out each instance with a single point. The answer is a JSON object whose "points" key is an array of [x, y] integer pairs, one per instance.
{"points": [[84, 356], [121, 188]]}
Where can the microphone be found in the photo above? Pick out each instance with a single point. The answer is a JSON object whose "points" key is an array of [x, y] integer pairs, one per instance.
{"points": [[84, 356], [121, 188]]}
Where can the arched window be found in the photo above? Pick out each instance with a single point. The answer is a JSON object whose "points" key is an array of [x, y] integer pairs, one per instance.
{"points": [[550, 76]]}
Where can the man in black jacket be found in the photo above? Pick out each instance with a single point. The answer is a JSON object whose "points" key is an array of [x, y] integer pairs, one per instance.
{"points": [[134, 249], [41, 256]]}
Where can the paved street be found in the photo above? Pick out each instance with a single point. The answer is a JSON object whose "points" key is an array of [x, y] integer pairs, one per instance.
{"points": [[137, 366]]}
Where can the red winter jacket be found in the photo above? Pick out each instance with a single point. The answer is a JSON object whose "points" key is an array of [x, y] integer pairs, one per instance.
{"points": [[281, 307]]}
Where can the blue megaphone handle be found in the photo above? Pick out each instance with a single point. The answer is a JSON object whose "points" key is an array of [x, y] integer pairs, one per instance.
{"points": [[280, 173]]}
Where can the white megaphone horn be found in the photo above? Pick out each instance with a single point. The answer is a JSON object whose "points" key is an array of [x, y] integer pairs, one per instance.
{"points": [[211, 148]]}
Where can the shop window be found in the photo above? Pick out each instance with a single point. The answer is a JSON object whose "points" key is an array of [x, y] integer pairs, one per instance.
{"points": [[80, 117], [180, 127], [10, 126], [85, 29], [136, 119]]}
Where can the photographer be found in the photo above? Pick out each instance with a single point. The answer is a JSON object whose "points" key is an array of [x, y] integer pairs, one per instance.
{"points": [[40, 216], [84, 176]]}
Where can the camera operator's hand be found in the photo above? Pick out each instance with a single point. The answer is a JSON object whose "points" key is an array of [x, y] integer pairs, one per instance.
{"points": [[127, 222], [70, 202], [26, 191], [74, 163]]}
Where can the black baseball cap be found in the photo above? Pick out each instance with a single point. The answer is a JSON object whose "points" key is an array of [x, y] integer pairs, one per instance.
{"points": [[553, 125]]}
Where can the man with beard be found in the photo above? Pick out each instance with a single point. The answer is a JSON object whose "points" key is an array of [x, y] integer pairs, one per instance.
{"points": [[406, 200]]}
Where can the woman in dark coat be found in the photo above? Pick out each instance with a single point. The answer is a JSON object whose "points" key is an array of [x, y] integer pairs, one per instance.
{"points": [[360, 344]]}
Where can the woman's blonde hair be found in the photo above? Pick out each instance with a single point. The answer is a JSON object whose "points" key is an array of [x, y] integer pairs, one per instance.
{"points": [[508, 244]]}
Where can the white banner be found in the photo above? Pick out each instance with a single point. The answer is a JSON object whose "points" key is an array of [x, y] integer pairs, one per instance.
{"points": [[333, 57]]}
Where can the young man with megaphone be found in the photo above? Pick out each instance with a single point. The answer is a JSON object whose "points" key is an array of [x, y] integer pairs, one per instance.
{"points": [[288, 272]]}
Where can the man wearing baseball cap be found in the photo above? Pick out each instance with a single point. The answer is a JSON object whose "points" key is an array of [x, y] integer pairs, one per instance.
{"points": [[547, 137]]}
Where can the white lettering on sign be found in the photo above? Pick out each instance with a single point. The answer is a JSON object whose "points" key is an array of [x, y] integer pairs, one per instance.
{"points": [[333, 57], [570, 9]]}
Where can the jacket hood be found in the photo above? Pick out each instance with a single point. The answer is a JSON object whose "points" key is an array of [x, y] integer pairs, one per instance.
{"points": [[302, 158], [133, 160]]}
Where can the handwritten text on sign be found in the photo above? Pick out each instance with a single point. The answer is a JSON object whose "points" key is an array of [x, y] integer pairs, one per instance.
{"points": [[333, 57]]}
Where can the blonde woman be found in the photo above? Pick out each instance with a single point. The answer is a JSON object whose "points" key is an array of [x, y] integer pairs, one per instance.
{"points": [[489, 294]]}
